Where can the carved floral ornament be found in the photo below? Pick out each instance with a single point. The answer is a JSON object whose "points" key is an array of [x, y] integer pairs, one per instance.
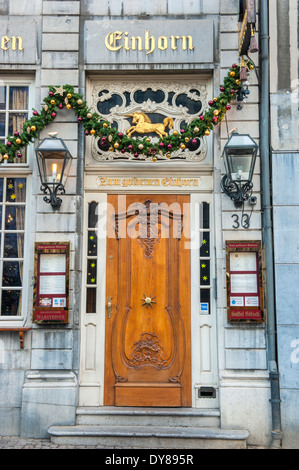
{"points": [[119, 142]]}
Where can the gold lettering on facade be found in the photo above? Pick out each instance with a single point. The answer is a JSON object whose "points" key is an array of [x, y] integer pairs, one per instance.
{"points": [[173, 40], [135, 40], [162, 43], [115, 41], [190, 43], [149, 43], [144, 182], [112, 39], [15, 42]]}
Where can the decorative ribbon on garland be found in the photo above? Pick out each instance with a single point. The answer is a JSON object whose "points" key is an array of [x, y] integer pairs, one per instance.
{"points": [[64, 96]]}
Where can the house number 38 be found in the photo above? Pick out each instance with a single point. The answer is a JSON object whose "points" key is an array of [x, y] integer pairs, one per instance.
{"points": [[243, 221]]}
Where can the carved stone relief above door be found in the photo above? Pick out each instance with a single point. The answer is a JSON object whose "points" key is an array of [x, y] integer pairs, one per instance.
{"points": [[148, 109]]}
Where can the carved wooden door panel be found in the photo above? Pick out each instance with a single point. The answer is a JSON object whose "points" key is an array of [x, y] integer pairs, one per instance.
{"points": [[148, 354]]}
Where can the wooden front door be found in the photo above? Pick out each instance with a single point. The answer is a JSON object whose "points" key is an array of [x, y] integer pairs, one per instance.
{"points": [[147, 339]]}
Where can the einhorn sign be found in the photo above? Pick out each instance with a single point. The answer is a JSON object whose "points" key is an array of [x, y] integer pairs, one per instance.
{"points": [[114, 41], [147, 41]]}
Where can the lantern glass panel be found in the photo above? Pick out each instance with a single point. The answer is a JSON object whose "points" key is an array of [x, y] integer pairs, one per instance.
{"points": [[240, 165], [53, 158]]}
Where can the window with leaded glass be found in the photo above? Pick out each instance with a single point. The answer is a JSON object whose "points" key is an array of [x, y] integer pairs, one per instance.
{"points": [[92, 255], [205, 254], [14, 105], [12, 235]]}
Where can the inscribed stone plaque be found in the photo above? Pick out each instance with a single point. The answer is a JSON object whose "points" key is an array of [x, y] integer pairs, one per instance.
{"points": [[18, 41], [149, 42]]}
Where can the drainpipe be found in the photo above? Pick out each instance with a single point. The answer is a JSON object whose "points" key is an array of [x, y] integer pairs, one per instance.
{"points": [[267, 220]]}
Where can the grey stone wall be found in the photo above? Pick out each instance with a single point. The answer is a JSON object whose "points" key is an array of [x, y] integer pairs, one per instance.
{"points": [[285, 162]]}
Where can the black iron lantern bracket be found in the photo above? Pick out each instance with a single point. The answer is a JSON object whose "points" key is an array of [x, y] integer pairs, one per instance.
{"points": [[52, 197], [238, 193]]}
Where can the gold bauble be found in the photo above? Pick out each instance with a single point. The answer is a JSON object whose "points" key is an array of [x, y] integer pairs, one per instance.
{"points": [[238, 82], [154, 159], [69, 95], [175, 132], [18, 141], [148, 139], [52, 101], [196, 129], [89, 115], [104, 125], [187, 139], [216, 112], [140, 146], [215, 99], [111, 149], [116, 145], [68, 106], [5, 156], [33, 128], [251, 67], [183, 146], [92, 132], [168, 155], [232, 74], [79, 101], [207, 132]]}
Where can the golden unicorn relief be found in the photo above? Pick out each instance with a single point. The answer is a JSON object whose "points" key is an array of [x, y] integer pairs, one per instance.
{"points": [[143, 125]]}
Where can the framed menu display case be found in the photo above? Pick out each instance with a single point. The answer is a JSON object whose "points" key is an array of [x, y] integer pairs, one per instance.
{"points": [[51, 282], [244, 282]]}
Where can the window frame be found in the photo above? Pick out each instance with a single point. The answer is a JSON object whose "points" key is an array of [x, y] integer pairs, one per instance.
{"points": [[23, 81], [16, 320], [19, 170]]}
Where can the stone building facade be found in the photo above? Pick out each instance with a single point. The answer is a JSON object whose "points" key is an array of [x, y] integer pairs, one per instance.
{"points": [[122, 59]]}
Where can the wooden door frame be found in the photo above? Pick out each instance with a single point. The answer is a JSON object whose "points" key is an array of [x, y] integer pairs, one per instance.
{"points": [[117, 389], [92, 328]]}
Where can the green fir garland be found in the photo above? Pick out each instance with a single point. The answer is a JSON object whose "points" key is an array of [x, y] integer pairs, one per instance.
{"points": [[64, 96]]}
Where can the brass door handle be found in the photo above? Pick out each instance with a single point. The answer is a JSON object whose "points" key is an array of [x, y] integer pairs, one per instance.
{"points": [[109, 307]]}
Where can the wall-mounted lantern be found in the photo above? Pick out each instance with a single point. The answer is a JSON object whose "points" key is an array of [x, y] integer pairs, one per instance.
{"points": [[239, 158], [53, 157]]}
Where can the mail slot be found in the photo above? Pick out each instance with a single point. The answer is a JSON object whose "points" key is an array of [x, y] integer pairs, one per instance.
{"points": [[207, 392]]}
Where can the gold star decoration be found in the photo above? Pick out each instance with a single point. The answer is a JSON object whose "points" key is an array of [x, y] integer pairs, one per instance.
{"points": [[205, 278], [13, 196], [204, 242], [148, 301], [203, 265], [59, 90], [92, 265], [92, 280], [10, 186]]}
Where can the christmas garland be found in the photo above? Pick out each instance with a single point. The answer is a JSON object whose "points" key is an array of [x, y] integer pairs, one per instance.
{"points": [[64, 96]]}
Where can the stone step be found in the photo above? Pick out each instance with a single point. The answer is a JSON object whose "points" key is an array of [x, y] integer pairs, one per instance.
{"points": [[148, 416], [149, 437]]}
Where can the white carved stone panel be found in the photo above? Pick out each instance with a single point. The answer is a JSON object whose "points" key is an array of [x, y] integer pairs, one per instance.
{"points": [[117, 101]]}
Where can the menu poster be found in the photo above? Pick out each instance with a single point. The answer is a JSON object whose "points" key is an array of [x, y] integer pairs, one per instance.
{"points": [[244, 282], [51, 282]]}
